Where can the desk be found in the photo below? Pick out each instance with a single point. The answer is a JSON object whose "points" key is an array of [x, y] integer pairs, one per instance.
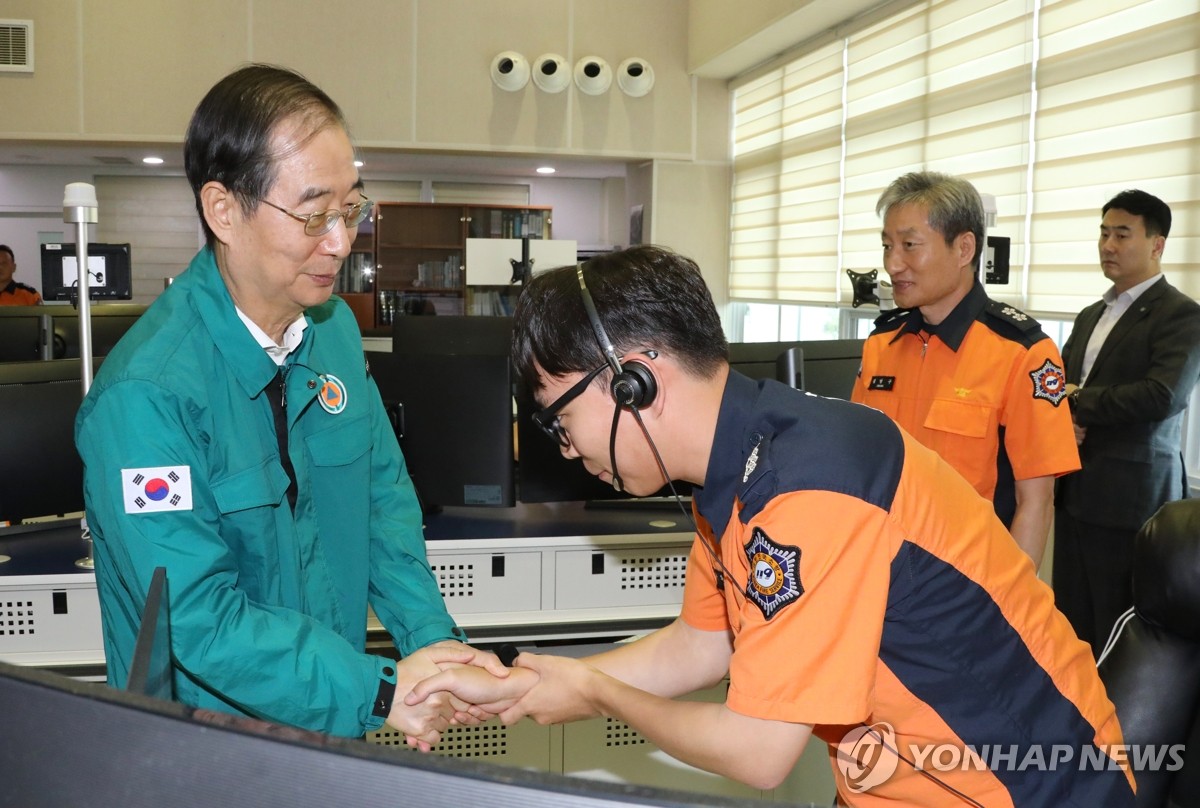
{"points": [[529, 573], [49, 610], [533, 574]]}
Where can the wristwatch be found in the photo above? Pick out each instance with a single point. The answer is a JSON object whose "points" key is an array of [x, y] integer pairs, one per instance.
{"points": [[1073, 398]]}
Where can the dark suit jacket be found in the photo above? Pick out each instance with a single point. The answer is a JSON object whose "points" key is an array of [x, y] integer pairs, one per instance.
{"points": [[1132, 406]]}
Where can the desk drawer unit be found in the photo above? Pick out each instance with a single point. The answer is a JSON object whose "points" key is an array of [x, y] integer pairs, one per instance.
{"points": [[50, 620], [648, 575]]}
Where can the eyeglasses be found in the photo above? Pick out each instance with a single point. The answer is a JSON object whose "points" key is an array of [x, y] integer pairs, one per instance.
{"points": [[321, 222], [548, 419]]}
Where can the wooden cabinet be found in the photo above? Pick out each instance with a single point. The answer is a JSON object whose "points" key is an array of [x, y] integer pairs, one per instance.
{"points": [[356, 282], [420, 252]]}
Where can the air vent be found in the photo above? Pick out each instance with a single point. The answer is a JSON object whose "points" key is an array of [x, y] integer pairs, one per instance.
{"points": [[112, 160], [16, 46]]}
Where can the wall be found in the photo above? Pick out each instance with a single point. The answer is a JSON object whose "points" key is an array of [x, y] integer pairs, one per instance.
{"points": [[409, 74], [30, 204]]}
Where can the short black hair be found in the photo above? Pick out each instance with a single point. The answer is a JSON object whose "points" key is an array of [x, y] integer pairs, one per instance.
{"points": [[1156, 214], [230, 135], [647, 297], [7, 249]]}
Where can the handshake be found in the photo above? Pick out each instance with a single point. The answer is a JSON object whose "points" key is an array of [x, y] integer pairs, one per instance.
{"points": [[451, 683]]}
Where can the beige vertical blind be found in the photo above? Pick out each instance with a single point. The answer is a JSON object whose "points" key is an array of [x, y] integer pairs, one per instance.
{"points": [[944, 86], [1118, 107], [938, 85], [787, 158]]}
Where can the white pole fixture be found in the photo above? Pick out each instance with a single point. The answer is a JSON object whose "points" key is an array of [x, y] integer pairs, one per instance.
{"points": [[81, 209]]}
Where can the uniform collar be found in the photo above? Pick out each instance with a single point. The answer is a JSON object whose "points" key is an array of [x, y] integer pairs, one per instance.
{"points": [[953, 329], [733, 443], [246, 360], [291, 337]]}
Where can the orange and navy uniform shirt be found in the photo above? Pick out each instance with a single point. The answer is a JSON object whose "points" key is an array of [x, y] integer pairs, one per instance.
{"points": [[869, 585], [985, 389], [18, 294]]}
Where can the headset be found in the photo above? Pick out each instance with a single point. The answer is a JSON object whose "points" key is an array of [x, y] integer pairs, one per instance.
{"points": [[633, 386]]}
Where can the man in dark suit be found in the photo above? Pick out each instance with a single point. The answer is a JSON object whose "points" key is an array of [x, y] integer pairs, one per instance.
{"points": [[1131, 362]]}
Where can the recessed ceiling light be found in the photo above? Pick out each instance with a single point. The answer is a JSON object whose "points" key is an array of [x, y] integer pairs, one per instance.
{"points": [[358, 163], [152, 161], [545, 169]]}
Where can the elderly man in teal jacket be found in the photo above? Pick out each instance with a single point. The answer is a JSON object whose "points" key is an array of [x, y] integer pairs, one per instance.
{"points": [[235, 437]]}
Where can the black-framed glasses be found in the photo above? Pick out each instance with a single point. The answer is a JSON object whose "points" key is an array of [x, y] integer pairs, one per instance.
{"points": [[547, 418], [321, 222]]}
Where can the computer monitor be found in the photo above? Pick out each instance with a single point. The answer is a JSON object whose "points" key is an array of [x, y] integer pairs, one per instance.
{"points": [[110, 272], [23, 333], [447, 385], [831, 366], [826, 367], [782, 361], [41, 471], [150, 672], [69, 742], [110, 321]]}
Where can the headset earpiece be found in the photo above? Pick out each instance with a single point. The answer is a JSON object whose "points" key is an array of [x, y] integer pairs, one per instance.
{"points": [[632, 383], [634, 386]]}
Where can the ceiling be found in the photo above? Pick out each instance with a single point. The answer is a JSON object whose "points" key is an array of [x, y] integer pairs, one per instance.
{"points": [[378, 163]]}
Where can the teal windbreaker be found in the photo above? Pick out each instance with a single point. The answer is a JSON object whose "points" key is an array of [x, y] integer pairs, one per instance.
{"points": [[268, 608]]}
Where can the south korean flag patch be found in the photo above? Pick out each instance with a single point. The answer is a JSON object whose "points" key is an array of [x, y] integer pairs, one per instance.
{"points": [[774, 573], [153, 490]]}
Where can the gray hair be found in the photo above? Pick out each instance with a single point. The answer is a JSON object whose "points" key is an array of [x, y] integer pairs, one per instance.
{"points": [[952, 204]]}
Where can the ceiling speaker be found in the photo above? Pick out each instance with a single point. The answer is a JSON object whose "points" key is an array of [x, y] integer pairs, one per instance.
{"points": [[593, 75], [510, 71], [550, 73], [635, 77]]}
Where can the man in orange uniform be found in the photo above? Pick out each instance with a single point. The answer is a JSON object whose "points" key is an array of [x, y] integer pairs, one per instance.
{"points": [[849, 582], [975, 380], [13, 293]]}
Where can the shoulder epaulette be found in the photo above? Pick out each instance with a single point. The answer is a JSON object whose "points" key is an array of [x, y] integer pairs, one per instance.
{"points": [[1013, 323], [26, 287], [890, 320], [1012, 315]]}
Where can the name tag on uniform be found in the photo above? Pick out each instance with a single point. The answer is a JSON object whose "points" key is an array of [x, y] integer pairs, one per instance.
{"points": [[882, 383]]}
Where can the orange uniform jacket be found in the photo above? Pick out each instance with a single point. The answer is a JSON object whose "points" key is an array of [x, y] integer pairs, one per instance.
{"points": [[986, 392], [868, 584], [18, 294]]}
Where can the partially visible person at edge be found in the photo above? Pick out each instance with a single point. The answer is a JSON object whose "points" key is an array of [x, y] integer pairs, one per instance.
{"points": [[845, 578], [13, 293], [236, 438], [975, 380]]}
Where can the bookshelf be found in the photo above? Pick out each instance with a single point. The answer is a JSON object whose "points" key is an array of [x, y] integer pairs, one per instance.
{"points": [[419, 251]]}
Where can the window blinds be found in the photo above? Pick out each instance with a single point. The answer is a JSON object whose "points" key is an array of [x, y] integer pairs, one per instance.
{"points": [[944, 86], [947, 86], [1117, 108], [787, 161]]}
